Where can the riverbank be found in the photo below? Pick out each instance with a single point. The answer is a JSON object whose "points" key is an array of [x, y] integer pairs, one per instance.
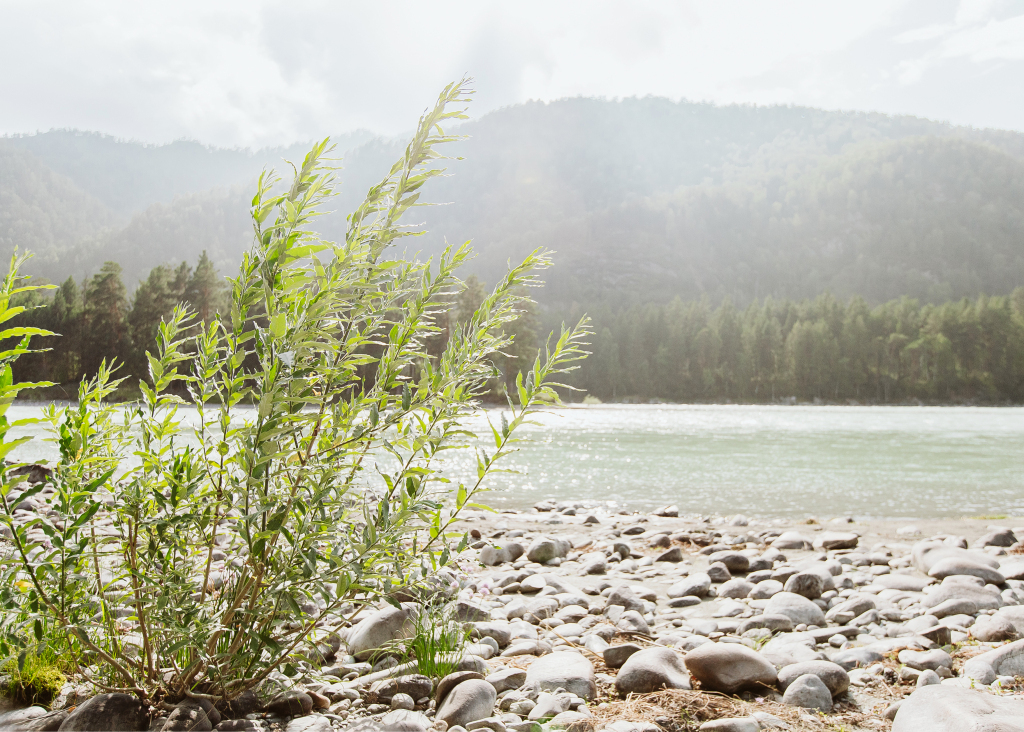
{"points": [[591, 619]]}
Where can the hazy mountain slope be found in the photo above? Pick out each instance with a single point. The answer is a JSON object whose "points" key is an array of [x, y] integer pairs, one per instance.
{"points": [[130, 176], [643, 199], [44, 211]]}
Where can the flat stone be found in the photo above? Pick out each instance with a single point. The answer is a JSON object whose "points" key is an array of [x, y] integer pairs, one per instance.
{"points": [[675, 554], [312, 723], [921, 660], [733, 561], [765, 589], [857, 658], [942, 708], [501, 553], [994, 629], [831, 540], [509, 678], [650, 670], [796, 607], [808, 692], [904, 582], [695, 585], [926, 554], [729, 668], [955, 606], [563, 669], [774, 623], [733, 724], [792, 540], [953, 566]]}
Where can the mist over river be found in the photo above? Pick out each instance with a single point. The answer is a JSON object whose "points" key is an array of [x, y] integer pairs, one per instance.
{"points": [[789, 461]]}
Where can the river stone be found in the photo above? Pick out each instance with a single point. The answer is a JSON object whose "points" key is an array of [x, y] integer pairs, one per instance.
{"points": [[831, 540], [624, 596], [997, 537], [732, 724], [792, 540], [615, 656], [633, 622], [921, 660], [494, 554], [449, 682], [943, 708], [926, 554], [469, 701], [964, 587], [380, 628], [1014, 614], [808, 692], [832, 675], [509, 678], [718, 572], [1012, 570], [956, 606], [563, 669], [415, 685], [735, 589], [652, 669], [903, 582], [806, 584], [855, 606], [729, 667], [733, 561], [857, 658], [766, 589], [544, 549], [1006, 660], [993, 629], [796, 607], [675, 555], [290, 703], [695, 585], [774, 623], [404, 720], [108, 713], [312, 723], [951, 566], [32, 719], [195, 715]]}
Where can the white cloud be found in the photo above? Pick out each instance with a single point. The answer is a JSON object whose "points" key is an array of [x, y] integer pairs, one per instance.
{"points": [[255, 72]]}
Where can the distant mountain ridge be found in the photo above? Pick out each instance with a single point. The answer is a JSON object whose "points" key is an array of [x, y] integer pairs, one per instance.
{"points": [[643, 199]]}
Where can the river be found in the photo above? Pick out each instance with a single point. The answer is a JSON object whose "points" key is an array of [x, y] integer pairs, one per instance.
{"points": [[786, 461]]}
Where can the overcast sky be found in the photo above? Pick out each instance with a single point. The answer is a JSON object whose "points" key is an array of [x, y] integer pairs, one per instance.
{"points": [[252, 73]]}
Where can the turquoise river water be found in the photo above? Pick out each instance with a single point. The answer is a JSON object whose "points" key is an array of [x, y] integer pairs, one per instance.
{"points": [[759, 460]]}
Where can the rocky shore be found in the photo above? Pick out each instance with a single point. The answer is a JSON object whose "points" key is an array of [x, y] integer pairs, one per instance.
{"points": [[587, 620]]}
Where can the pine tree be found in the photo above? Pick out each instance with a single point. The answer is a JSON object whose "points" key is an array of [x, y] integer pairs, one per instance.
{"points": [[105, 328]]}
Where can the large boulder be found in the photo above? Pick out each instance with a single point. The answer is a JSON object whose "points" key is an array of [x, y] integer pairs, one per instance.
{"points": [[380, 628], [796, 607], [108, 713], [468, 702], [652, 669], [729, 668], [563, 669], [942, 708], [1006, 660]]}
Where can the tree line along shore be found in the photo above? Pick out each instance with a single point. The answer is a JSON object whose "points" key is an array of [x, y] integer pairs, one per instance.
{"points": [[968, 351]]}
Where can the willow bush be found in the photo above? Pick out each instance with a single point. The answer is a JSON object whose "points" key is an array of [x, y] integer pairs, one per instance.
{"points": [[319, 426]]}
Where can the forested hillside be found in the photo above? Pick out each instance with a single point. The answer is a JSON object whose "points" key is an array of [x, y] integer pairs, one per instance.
{"points": [[659, 212]]}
